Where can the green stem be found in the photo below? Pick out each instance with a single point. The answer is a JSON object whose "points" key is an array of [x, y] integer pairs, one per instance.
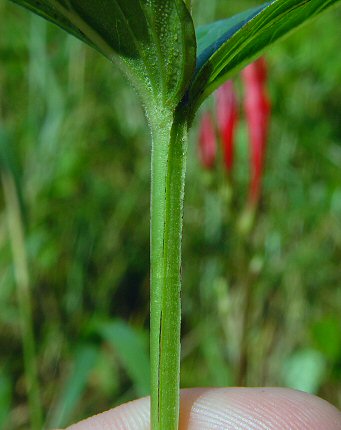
{"points": [[169, 147], [16, 234]]}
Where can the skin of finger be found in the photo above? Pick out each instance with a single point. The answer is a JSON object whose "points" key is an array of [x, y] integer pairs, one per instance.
{"points": [[228, 409]]}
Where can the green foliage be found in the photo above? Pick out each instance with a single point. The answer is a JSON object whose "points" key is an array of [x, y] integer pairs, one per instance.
{"points": [[81, 140], [131, 348], [304, 370], [211, 37], [226, 46], [153, 42], [71, 394]]}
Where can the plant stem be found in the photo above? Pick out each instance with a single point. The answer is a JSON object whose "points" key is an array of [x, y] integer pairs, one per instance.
{"points": [[169, 148], [16, 234]]}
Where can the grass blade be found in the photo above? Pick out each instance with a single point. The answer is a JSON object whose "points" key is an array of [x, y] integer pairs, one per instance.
{"points": [[21, 272], [131, 346], [84, 361]]}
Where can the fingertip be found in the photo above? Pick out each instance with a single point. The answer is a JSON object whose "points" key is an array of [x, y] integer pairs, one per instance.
{"points": [[256, 409], [228, 409], [133, 415]]}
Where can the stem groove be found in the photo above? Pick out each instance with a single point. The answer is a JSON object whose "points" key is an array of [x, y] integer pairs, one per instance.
{"points": [[169, 148]]}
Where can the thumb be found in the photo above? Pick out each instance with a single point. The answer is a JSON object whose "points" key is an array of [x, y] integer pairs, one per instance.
{"points": [[228, 409]]}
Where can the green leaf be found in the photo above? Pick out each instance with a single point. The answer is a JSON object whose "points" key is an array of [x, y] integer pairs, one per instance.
{"points": [[211, 37], [73, 390], [304, 370], [152, 41], [131, 346], [224, 47]]}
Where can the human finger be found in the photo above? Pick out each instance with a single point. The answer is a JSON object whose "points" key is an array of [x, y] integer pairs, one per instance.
{"points": [[228, 409]]}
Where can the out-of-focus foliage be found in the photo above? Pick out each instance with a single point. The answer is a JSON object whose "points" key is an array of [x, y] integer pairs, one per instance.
{"points": [[79, 139]]}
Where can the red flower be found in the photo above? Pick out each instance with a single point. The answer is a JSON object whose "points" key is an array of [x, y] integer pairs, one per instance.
{"points": [[207, 142], [227, 116], [257, 109]]}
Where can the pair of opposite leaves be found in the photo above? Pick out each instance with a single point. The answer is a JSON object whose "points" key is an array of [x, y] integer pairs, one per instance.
{"points": [[155, 43]]}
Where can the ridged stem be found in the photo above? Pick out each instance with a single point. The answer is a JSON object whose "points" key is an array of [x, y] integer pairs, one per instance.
{"points": [[169, 147]]}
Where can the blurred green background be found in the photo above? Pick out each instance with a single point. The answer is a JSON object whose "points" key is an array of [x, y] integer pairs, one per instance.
{"points": [[260, 309]]}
